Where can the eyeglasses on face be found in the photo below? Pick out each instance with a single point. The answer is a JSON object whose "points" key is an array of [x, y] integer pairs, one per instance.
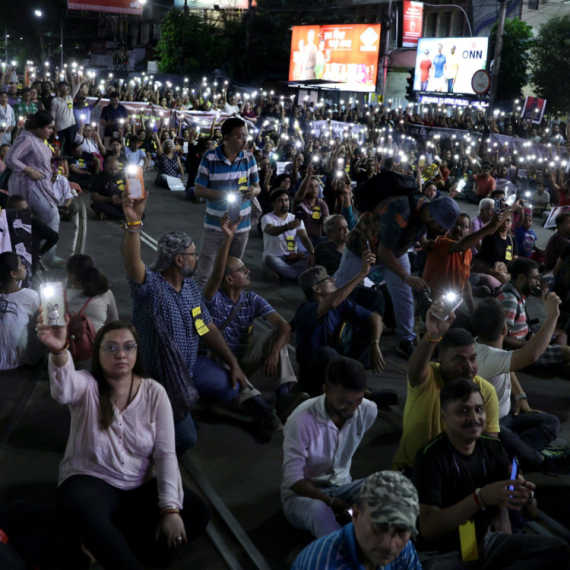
{"points": [[243, 269], [463, 226], [326, 278], [194, 254], [113, 348]]}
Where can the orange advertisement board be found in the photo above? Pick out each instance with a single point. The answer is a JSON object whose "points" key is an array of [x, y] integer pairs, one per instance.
{"points": [[346, 54], [115, 6]]}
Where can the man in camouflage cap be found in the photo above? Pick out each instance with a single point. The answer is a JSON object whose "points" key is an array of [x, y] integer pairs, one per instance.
{"points": [[383, 521]]}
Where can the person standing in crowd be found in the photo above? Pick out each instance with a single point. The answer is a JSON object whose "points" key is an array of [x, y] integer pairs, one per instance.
{"points": [[320, 439], [558, 242], [25, 107], [313, 209], [461, 476], [525, 433], [18, 315], [234, 312], [457, 359], [113, 118], [7, 120], [119, 490], [227, 168], [30, 161], [390, 228], [61, 108], [486, 208], [281, 229], [383, 522], [88, 290]]}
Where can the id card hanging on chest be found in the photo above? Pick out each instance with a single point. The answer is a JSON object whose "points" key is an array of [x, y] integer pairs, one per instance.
{"points": [[316, 213], [468, 540]]}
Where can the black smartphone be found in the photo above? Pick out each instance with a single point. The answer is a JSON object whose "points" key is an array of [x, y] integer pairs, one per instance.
{"points": [[300, 215], [234, 206]]}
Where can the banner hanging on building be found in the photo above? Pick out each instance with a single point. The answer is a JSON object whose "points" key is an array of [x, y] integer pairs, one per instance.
{"points": [[116, 6], [343, 54], [413, 15]]}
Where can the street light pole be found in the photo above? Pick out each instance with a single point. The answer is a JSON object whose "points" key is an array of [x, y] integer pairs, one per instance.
{"points": [[497, 56], [61, 48], [6, 45]]}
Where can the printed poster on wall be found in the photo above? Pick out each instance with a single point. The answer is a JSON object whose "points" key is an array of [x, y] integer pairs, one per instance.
{"points": [[412, 23]]}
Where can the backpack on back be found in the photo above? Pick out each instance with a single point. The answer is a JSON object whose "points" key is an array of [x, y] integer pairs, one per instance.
{"points": [[385, 184], [81, 335]]}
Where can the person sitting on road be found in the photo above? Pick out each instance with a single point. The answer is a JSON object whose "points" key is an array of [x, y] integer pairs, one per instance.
{"points": [[88, 289], [457, 359], [119, 489], [116, 151], [525, 279], [280, 233], [329, 323], [383, 521], [449, 260], [465, 490], [234, 312], [320, 438], [83, 166], [107, 191], [525, 433], [135, 156], [168, 164], [18, 315], [167, 289]]}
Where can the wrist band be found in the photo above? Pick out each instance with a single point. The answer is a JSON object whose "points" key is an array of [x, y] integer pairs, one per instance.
{"points": [[480, 502], [476, 497], [432, 340], [139, 223], [374, 342], [64, 349], [170, 512], [521, 396]]}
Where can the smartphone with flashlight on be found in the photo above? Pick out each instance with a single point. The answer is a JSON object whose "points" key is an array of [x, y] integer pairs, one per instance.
{"points": [[460, 185], [450, 303], [53, 303], [234, 206], [133, 183], [514, 472]]}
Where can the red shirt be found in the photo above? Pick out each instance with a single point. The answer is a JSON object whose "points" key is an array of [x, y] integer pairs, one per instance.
{"points": [[425, 66], [446, 271], [484, 185]]}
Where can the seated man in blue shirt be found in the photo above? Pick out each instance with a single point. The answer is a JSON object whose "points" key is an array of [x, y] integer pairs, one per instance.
{"points": [[329, 324], [234, 311], [83, 166], [383, 521]]}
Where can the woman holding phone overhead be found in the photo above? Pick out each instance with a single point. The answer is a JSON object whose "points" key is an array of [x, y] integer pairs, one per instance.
{"points": [[119, 489]]}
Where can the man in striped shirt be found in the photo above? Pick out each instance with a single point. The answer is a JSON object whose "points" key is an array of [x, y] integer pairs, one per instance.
{"points": [[383, 521], [227, 168]]}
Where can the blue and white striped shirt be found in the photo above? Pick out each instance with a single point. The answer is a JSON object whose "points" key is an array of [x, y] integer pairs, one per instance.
{"points": [[218, 173], [338, 551]]}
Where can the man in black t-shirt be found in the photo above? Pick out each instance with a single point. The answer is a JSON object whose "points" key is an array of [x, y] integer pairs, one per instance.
{"points": [[107, 191], [465, 491]]}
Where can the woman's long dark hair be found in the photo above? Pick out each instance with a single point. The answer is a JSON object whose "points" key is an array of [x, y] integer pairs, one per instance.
{"points": [[87, 275], [9, 262], [106, 413]]}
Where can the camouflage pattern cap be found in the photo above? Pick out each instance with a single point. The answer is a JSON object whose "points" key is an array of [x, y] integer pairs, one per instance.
{"points": [[170, 245], [392, 500]]}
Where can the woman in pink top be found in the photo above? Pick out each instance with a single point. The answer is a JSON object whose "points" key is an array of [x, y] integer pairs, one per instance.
{"points": [[119, 488]]}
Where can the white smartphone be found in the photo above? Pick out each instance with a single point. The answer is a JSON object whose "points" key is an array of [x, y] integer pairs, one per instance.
{"points": [[53, 303], [133, 183]]}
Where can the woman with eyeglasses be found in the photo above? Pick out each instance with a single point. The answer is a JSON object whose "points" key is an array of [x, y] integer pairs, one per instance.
{"points": [[119, 491]]}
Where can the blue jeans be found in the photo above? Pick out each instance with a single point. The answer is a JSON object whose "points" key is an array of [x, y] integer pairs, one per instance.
{"points": [[212, 380], [526, 435], [290, 272], [402, 295]]}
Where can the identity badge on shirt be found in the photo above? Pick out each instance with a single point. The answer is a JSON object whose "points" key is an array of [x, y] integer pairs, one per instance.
{"points": [[316, 213], [243, 184], [509, 253], [290, 243]]}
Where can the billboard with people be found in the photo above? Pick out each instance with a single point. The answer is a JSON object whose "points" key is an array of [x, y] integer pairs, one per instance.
{"points": [[447, 65], [345, 54]]}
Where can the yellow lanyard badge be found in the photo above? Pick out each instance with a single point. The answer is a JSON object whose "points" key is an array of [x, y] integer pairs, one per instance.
{"points": [[316, 213], [468, 540], [201, 327], [290, 243]]}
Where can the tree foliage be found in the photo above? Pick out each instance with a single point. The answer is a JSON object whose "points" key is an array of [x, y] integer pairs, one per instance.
{"points": [[550, 60], [513, 75]]}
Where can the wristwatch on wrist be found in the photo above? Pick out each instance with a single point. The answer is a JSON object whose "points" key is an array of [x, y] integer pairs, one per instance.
{"points": [[521, 396]]}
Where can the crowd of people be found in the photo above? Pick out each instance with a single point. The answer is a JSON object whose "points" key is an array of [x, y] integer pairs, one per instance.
{"points": [[360, 207]]}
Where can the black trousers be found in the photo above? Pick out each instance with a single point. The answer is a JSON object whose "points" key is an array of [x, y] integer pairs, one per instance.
{"points": [[112, 211], [118, 526]]}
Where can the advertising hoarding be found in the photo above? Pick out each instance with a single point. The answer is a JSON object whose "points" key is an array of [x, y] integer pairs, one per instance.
{"points": [[413, 16], [115, 6], [345, 54], [447, 65]]}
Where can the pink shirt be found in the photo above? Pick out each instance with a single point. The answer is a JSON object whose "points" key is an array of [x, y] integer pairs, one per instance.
{"points": [[138, 445]]}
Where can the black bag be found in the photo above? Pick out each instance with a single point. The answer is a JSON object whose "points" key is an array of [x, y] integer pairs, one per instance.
{"points": [[384, 185]]}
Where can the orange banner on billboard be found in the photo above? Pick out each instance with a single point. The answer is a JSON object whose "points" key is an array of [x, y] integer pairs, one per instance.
{"points": [[346, 54], [116, 6]]}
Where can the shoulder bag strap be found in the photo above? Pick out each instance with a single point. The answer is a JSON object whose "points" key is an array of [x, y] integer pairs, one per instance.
{"points": [[231, 316]]}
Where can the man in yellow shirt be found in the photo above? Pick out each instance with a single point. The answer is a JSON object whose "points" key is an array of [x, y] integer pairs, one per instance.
{"points": [[457, 359], [451, 70]]}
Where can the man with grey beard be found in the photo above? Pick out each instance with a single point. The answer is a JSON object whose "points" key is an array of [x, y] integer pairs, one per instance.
{"points": [[167, 296]]}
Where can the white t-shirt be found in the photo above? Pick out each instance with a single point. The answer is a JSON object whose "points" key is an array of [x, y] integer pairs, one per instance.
{"points": [[16, 311], [278, 245], [61, 189], [232, 109], [137, 157], [494, 364], [87, 145], [102, 308], [541, 200]]}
